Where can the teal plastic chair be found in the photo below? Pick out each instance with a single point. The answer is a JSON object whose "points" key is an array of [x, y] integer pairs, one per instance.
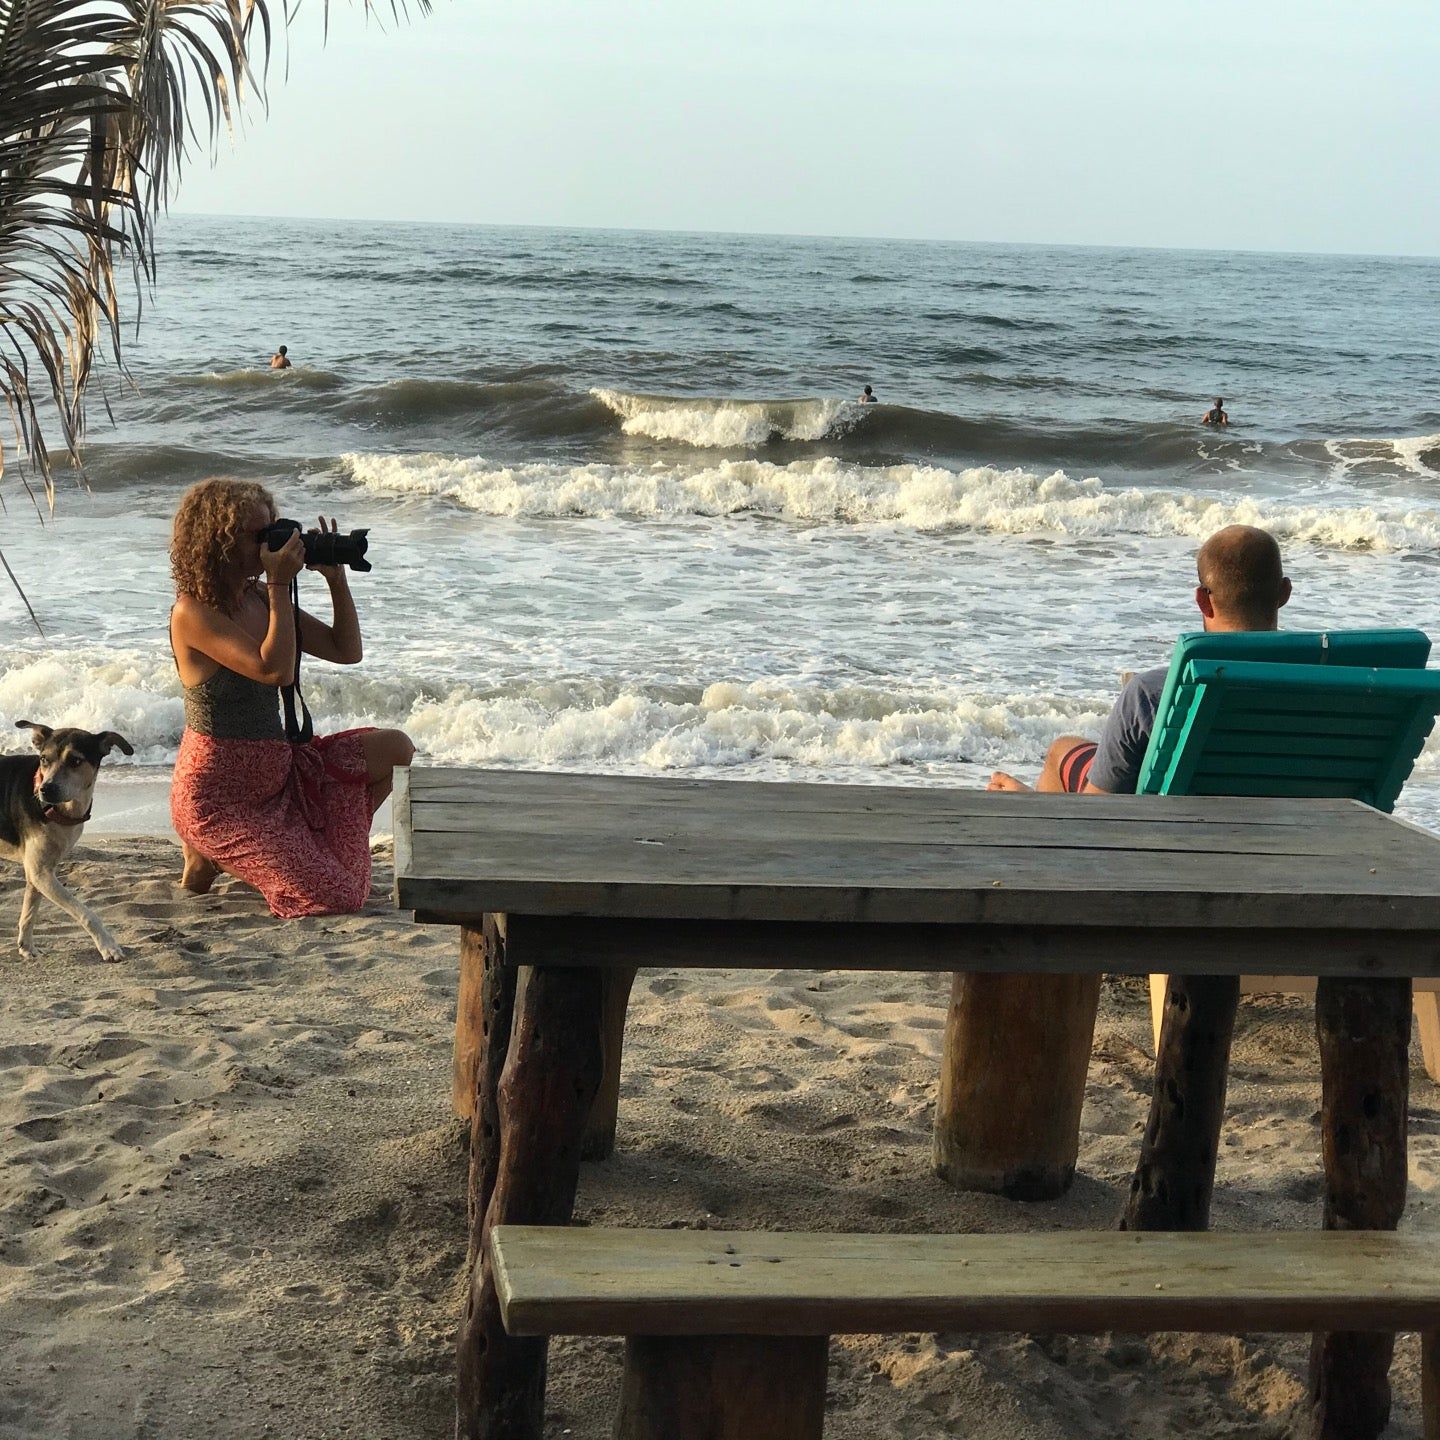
{"points": [[1338, 714]]}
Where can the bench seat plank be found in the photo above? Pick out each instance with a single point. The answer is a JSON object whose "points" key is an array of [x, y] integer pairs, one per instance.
{"points": [[555, 1280]]}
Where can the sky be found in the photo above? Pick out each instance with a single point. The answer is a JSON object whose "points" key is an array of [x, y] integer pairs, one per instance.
{"points": [[1292, 125]]}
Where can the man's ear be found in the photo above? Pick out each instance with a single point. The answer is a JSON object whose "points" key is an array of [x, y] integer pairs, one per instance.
{"points": [[38, 733], [1284, 592], [1205, 601], [111, 740]]}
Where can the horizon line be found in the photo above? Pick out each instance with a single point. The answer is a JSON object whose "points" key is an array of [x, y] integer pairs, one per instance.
{"points": [[180, 213]]}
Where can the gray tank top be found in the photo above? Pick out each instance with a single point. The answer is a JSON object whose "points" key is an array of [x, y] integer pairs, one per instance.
{"points": [[228, 706]]}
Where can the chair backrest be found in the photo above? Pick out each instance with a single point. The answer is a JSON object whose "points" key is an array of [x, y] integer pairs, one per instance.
{"points": [[1313, 714]]}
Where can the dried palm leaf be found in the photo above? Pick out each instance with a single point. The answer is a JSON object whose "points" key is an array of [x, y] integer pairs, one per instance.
{"points": [[101, 103]]}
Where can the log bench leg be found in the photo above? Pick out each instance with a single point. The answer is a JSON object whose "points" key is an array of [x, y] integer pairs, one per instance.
{"points": [[599, 1139], [542, 1099], [723, 1387], [1430, 1383], [1176, 1173], [1363, 1027], [1012, 1082]]}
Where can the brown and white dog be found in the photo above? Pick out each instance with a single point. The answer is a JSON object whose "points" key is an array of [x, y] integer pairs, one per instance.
{"points": [[44, 803]]}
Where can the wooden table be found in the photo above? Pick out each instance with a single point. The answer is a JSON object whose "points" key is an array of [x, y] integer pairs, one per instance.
{"points": [[584, 877]]}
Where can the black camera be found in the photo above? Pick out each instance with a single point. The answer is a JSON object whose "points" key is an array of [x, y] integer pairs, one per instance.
{"points": [[321, 547]]}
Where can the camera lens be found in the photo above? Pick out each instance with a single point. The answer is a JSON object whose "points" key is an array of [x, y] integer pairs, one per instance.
{"points": [[336, 549]]}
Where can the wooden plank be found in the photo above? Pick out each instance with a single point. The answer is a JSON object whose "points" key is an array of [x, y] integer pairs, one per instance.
{"points": [[446, 901], [725, 858], [897, 884], [1080, 831], [999, 949], [401, 825], [593, 1281], [573, 790]]}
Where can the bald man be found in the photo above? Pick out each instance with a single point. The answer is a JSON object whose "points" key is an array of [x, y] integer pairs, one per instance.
{"points": [[1242, 587]]}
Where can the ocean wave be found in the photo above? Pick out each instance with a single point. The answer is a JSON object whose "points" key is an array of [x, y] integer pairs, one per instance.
{"points": [[577, 723], [534, 403], [875, 733], [253, 378], [112, 465], [849, 428], [1411, 455], [726, 424], [985, 499], [428, 399]]}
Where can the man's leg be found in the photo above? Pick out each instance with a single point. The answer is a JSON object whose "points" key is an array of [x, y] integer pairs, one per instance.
{"points": [[1062, 764]]}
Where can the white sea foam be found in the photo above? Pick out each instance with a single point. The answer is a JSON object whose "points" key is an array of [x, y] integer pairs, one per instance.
{"points": [[725, 424], [921, 497], [576, 723], [1413, 454]]}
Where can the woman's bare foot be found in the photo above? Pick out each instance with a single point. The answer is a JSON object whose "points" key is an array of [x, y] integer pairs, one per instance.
{"points": [[1001, 781], [199, 873]]}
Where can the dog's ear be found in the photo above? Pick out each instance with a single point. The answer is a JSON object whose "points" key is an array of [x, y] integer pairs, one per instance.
{"points": [[112, 740], [39, 733]]}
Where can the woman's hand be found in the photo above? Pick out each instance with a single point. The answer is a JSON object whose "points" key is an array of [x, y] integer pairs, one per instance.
{"points": [[331, 572], [284, 564]]}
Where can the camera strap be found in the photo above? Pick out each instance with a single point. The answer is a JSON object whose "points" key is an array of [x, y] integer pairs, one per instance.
{"points": [[301, 730]]}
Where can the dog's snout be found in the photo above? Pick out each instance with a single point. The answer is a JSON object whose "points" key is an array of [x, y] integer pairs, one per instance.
{"points": [[50, 793]]}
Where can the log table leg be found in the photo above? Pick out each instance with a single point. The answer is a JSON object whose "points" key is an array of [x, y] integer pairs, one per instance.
{"points": [[599, 1139], [1012, 1082], [723, 1387], [1430, 1383], [475, 944], [544, 1095], [482, 1036], [1176, 1174], [1364, 1031]]}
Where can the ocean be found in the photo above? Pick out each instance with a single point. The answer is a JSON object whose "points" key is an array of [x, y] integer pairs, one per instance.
{"points": [[625, 514]]}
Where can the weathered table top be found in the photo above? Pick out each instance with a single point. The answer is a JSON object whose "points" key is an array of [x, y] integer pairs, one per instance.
{"points": [[470, 842]]}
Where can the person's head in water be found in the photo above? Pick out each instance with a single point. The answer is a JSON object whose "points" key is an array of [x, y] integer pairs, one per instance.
{"points": [[1219, 403], [1242, 582], [868, 394], [285, 350]]}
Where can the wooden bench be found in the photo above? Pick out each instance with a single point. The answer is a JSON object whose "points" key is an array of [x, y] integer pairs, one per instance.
{"points": [[726, 1334]]}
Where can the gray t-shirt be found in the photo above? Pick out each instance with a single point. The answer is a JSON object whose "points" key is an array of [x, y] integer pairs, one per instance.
{"points": [[1126, 733]]}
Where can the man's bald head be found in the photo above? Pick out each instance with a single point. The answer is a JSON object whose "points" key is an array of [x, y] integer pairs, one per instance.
{"points": [[1241, 574]]}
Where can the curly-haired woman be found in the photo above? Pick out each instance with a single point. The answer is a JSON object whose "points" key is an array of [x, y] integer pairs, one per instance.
{"points": [[293, 820]]}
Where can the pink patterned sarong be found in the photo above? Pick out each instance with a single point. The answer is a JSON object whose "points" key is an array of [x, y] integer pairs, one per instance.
{"points": [[291, 820]]}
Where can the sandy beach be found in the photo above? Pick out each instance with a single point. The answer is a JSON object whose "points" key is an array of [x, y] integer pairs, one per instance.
{"points": [[231, 1201]]}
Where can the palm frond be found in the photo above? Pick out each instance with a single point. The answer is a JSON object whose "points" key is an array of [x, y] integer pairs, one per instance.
{"points": [[101, 104]]}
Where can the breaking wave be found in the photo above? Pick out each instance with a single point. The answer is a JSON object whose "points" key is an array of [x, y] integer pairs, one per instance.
{"points": [[728, 424], [929, 498], [578, 723]]}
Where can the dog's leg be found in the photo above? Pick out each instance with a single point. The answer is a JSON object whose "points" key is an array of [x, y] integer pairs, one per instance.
{"points": [[27, 920], [48, 884]]}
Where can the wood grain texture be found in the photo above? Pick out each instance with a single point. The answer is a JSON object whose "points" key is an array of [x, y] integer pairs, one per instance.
{"points": [[1364, 1032], [598, 1142], [1175, 1175], [546, 1088], [596, 1281], [1430, 1383], [723, 1387], [1001, 949], [1012, 1082], [632, 846]]}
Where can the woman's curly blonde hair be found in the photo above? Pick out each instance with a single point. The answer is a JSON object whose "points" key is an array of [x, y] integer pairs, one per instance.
{"points": [[206, 537]]}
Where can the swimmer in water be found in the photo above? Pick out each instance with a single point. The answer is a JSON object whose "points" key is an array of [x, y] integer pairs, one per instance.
{"points": [[1216, 415], [868, 397], [280, 360]]}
